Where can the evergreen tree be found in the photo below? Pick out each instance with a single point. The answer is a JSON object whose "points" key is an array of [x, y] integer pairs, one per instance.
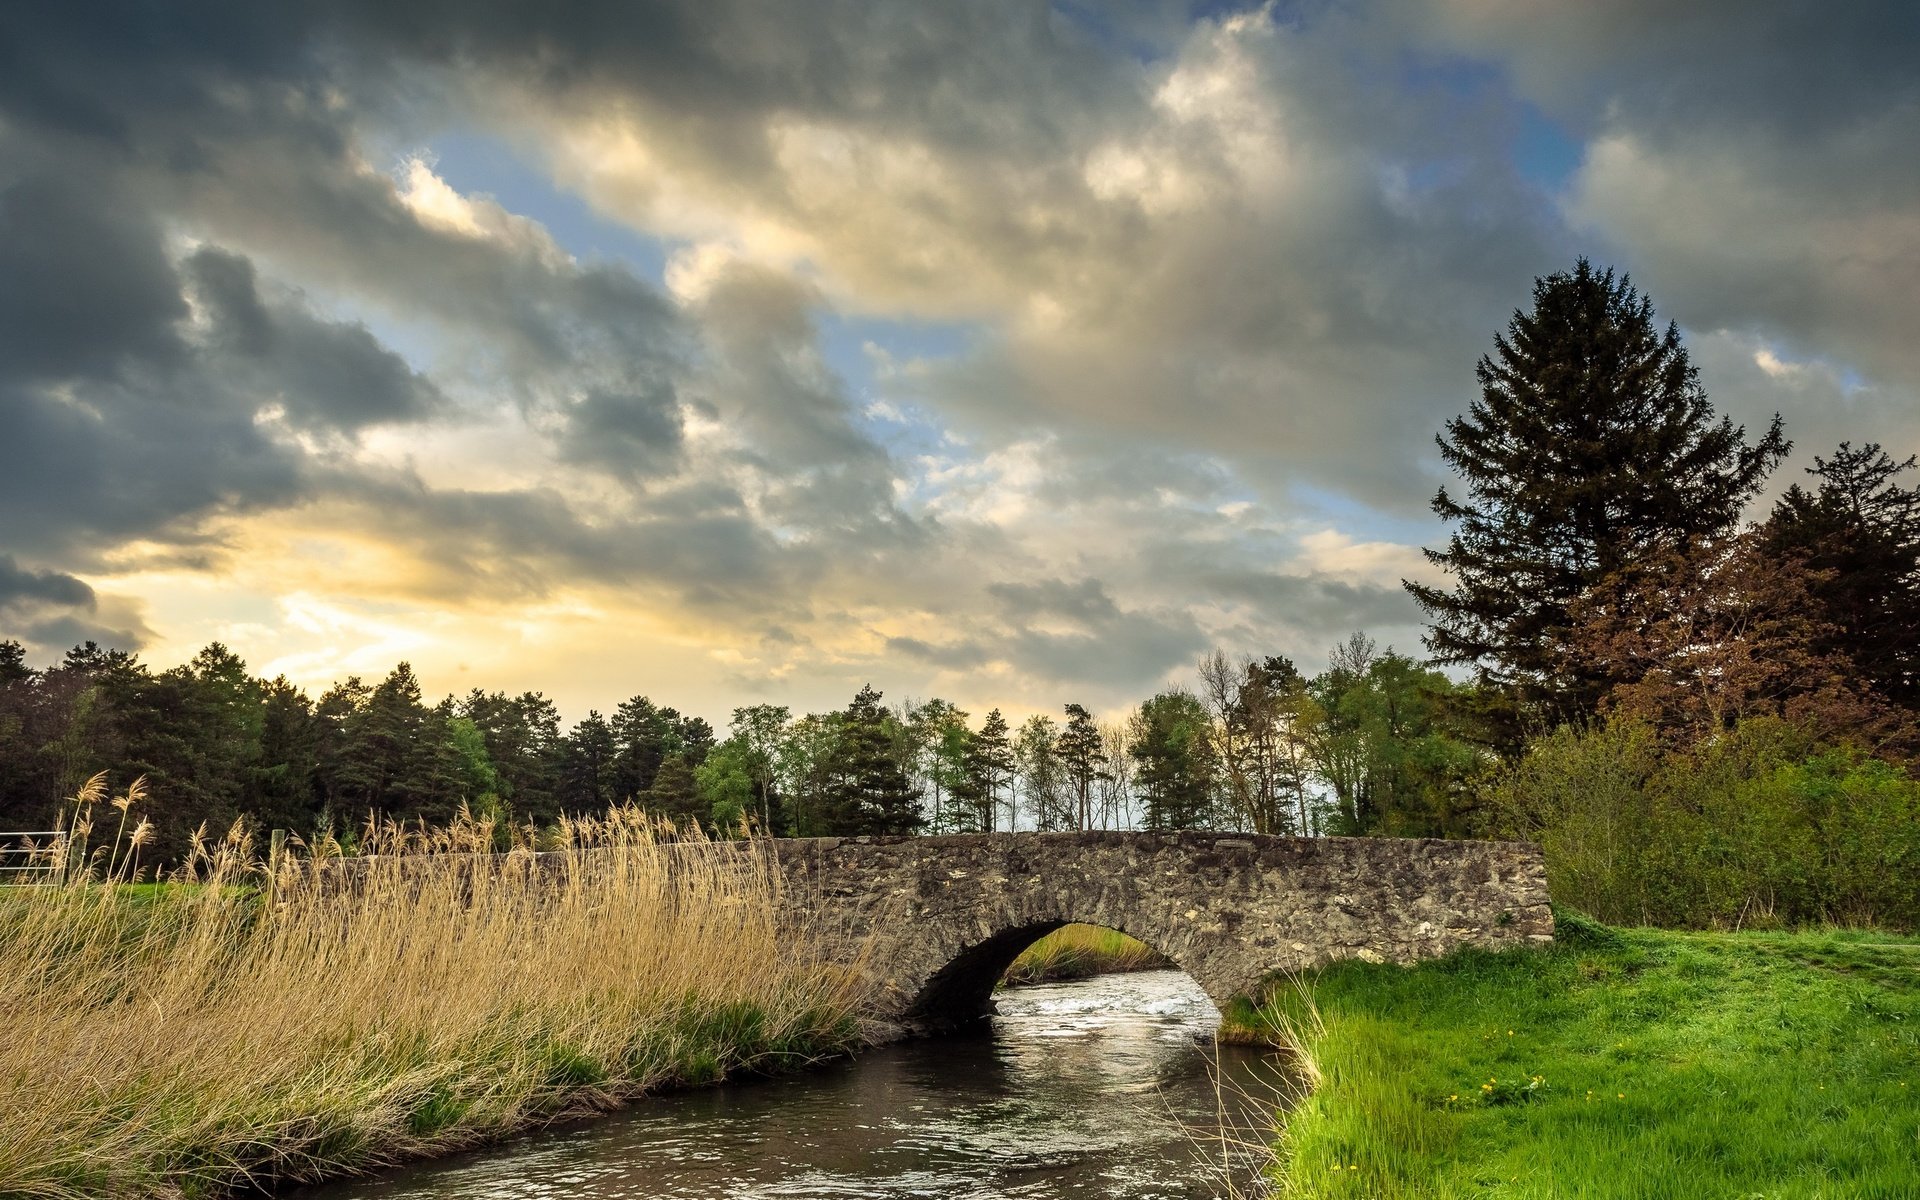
{"points": [[377, 743], [1082, 764], [337, 710], [1591, 447], [675, 793], [643, 736], [284, 791], [523, 744], [986, 771], [1858, 535], [869, 792], [586, 767]]}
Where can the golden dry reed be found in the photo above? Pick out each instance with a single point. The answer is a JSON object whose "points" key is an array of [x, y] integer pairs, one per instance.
{"points": [[248, 1022]]}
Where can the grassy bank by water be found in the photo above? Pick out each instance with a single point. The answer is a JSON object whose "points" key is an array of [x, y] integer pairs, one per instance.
{"points": [[1080, 951], [1620, 1063], [181, 1042]]}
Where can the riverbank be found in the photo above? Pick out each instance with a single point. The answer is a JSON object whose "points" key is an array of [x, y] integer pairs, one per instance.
{"points": [[189, 1042], [1618, 1063], [1080, 952]]}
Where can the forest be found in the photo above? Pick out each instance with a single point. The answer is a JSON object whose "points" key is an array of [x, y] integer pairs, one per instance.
{"points": [[1704, 717]]}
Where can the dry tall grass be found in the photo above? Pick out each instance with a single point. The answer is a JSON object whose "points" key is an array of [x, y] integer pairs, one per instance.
{"points": [[244, 1024]]}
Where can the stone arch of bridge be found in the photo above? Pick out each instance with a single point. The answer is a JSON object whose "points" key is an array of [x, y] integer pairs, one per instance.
{"points": [[959, 992]]}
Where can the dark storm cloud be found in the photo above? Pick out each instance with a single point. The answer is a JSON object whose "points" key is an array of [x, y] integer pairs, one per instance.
{"points": [[49, 611], [1752, 163], [326, 375], [133, 381], [1068, 632], [87, 290], [21, 586], [115, 425], [633, 435]]}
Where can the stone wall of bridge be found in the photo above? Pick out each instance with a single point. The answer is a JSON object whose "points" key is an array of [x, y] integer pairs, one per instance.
{"points": [[936, 920]]}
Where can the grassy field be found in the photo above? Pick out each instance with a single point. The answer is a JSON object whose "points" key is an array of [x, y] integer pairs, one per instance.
{"points": [[1620, 1063], [1078, 951], [180, 1042]]}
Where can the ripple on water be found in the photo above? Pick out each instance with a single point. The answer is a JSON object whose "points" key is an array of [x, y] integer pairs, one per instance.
{"points": [[1094, 1088]]}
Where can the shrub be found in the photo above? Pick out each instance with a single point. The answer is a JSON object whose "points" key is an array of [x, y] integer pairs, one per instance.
{"points": [[1755, 827]]}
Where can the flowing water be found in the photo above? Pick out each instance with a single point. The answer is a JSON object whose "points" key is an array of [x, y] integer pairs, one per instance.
{"points": [[1106, 1087]]}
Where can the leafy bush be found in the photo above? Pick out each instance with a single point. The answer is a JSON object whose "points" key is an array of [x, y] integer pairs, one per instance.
{"points": [[1759, 827]]}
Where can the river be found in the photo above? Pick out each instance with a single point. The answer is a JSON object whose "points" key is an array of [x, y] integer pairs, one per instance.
{"points": [[1105, 1087]]}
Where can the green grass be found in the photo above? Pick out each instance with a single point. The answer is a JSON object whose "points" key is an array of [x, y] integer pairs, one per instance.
{"points": [[1080, 951], [1619, 1063]]}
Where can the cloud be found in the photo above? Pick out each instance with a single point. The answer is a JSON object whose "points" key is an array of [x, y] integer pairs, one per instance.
{"points": [[1752, 163], [322, 375], [48, 611], [1212, 284]]}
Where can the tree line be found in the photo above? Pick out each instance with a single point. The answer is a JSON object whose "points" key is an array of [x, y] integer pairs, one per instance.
{"points": [[1366, 746]]}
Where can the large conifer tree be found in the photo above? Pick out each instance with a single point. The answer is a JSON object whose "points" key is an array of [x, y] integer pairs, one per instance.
{"points": [[1592, 446]]}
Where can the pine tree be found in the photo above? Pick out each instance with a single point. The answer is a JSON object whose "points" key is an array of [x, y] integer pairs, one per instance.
{"points": [[379, 740], [986, 767], [1082, 763], [522, 736], [869, 792], [586, 767], [1858, 533], [1592, 446], [675, 794]]}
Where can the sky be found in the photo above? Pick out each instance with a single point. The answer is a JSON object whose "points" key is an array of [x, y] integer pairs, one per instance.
{"points": [[731, 352]]}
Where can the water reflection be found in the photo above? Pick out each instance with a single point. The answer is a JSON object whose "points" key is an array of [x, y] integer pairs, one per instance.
{"points": [[1098, 1088]]}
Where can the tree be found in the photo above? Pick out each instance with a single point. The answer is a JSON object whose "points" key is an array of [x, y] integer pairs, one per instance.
{"points": [[938, 735], [868, 792], [642, 737], [284, 790], [587, 758], [1858, 534], [759, 729], [379, 739], [1116, 782], [1171, 740], [729, 792], [523, 743], [1258, 710], [676, 794], [808, 756], [1592, 446], [986, 769], [1727, 630], [1082, 764], [1037, 766], [1387, 745]]}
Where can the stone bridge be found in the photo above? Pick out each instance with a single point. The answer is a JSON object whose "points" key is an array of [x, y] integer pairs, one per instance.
{"points": [[938, 919]]}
